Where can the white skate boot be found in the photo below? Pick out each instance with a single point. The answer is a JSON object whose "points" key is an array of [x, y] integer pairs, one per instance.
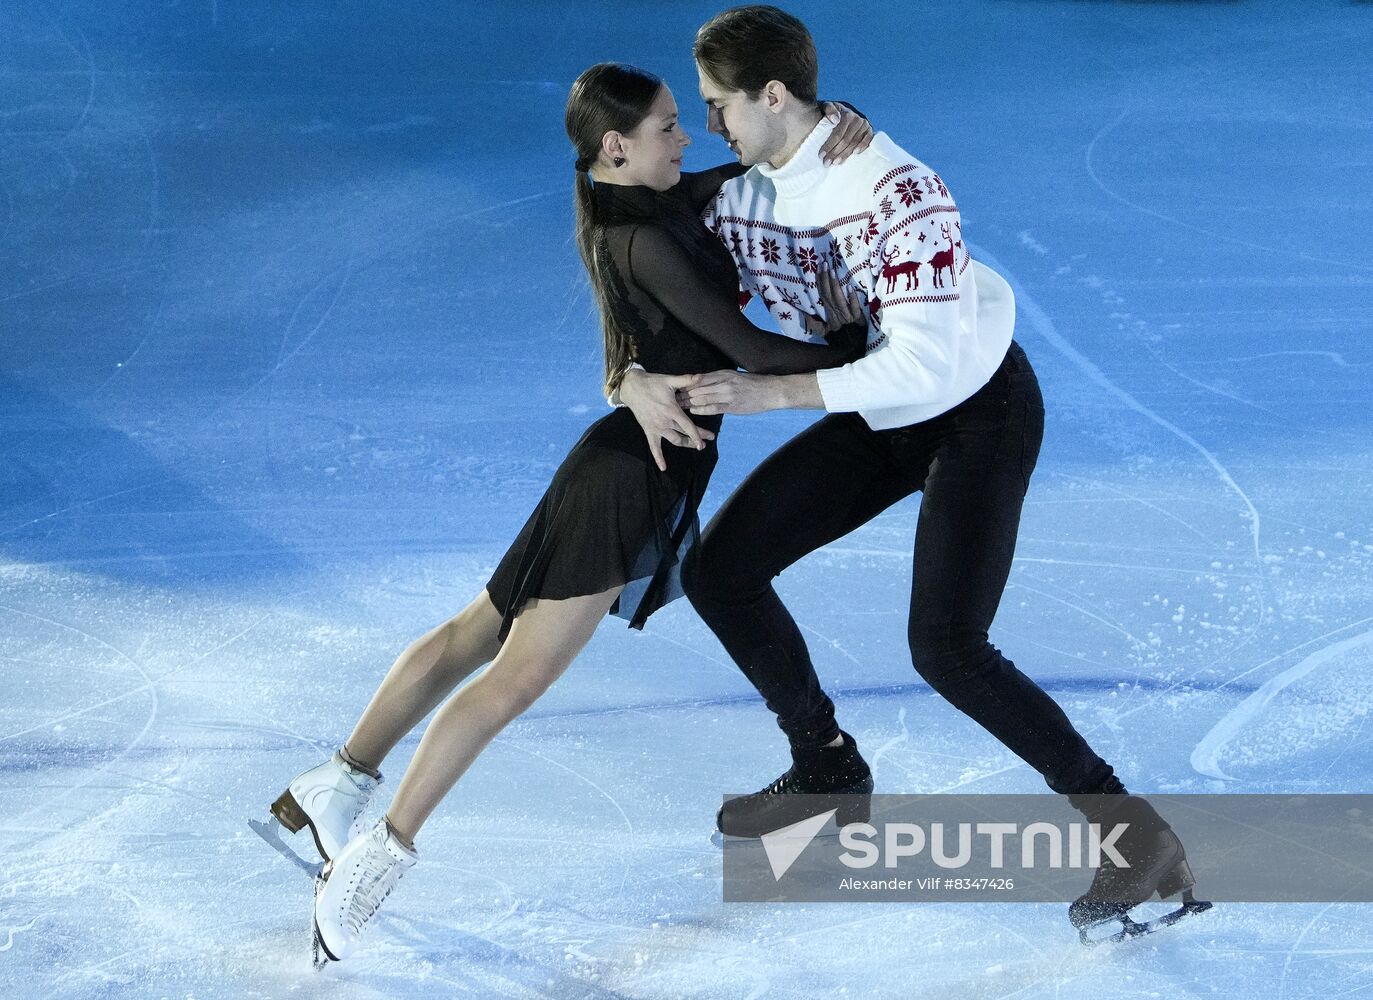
{"points": [[351, 887], [330, 800]]}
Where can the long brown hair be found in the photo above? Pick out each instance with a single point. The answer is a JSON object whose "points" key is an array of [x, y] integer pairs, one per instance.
{"points": [[608, 97]]}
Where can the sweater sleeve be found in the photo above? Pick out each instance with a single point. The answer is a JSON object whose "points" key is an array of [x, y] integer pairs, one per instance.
{"points": [[660, 266], [917, 260]]}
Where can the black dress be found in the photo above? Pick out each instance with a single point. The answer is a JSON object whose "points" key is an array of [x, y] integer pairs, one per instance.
{"points": [[610, 517]]}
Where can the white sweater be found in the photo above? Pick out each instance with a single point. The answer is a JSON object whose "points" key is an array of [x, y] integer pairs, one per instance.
{"points": [[939, 322]]}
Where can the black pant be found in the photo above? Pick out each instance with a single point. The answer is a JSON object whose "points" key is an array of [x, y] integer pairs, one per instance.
{"points": [[973, 464]]}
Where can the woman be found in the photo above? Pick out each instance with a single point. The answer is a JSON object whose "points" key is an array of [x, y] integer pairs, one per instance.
{"points": [[615, 519]]}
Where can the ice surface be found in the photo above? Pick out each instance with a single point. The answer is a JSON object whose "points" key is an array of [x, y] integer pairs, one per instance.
{"points": [[272, 402]]}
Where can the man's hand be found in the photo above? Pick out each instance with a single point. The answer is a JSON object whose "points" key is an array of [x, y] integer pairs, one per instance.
{"points": [[653, 401], [739, 392]]}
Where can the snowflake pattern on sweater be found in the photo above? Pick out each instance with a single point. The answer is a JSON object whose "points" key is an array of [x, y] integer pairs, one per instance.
{"points": [[908, 249]]}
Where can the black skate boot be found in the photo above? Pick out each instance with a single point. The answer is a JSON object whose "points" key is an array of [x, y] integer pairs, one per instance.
{"points": [[817, 781], [1157, 864]]}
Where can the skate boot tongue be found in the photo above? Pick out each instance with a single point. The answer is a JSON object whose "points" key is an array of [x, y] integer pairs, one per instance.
{"points": [[353, 886]]}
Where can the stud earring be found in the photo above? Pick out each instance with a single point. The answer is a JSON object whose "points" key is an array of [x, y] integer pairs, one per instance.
{"points": [[619, 161]]}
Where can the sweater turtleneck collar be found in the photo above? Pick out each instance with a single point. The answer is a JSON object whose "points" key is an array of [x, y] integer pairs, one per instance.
{"points": [[805, 168]]}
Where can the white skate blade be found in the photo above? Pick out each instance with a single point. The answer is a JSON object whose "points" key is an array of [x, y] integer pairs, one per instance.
{"points": [[271, 833]]}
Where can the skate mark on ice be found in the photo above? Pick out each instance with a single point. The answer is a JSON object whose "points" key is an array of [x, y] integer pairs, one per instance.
{"points": [[1287, 959], [122, 366], [86, 970], [903, 737], [149, 685], [1081, 609], [832, 643], [155, 196], [275, 725], [282, 357], [850, 550], [1130, 548], [729, 668], [87, 59], [152, 484], [1015, 765], [1331, 356], [91, 275], [1354, 743], [1081, 606], [1216, 390], [1022, 640], [132, 691], [1045, 327], [89, 668], [1125, 496], [1266, 250], [1100, 564], [433, 941], [11, 931], [48, 723], [582, 777], [1206, 755], [1052, 561], [171, 789]]}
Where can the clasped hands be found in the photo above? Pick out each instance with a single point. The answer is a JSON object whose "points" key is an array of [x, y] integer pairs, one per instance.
{"points": [[664, 404]]}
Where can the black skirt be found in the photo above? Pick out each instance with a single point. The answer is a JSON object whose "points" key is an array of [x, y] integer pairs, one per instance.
{"points": [[609, 518]]}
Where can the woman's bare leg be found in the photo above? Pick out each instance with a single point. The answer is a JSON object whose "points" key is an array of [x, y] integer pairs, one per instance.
{"points": [[546, 637], [423, 676]]}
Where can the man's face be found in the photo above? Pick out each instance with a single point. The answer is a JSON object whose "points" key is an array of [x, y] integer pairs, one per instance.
{"points": [[747, 125]]}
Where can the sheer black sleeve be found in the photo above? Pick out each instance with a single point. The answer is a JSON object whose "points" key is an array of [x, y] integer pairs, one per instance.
{"points": [[700, 186], [660, 266]]}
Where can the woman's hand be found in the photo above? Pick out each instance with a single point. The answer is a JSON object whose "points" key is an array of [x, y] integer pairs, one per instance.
{"points": [[842, 306], [653, 401], [852, 133], [845, 325]]}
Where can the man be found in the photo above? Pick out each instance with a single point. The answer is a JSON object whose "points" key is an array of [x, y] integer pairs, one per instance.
{"points": [[944, 402]]}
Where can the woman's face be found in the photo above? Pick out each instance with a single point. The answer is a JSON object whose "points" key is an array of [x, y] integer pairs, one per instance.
{"points": [[653, 151]]}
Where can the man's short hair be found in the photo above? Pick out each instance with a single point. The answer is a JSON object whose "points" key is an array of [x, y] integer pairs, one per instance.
{"points": [[743, 48]]}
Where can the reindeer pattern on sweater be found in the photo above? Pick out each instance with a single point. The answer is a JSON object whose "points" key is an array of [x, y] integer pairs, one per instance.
{"points": [[907, 248]]}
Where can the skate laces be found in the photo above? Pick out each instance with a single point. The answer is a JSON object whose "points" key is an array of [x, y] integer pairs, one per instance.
{"points": [[781, 786], [379, 875]]}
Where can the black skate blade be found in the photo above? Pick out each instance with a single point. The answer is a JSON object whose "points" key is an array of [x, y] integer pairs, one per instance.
{"points": [[1132, 928], [319, 954], [271, 833], [831, 831], [827, 832]]}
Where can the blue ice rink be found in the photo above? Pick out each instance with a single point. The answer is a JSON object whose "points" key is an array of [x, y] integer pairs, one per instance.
{"points": [[272, 403]]}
